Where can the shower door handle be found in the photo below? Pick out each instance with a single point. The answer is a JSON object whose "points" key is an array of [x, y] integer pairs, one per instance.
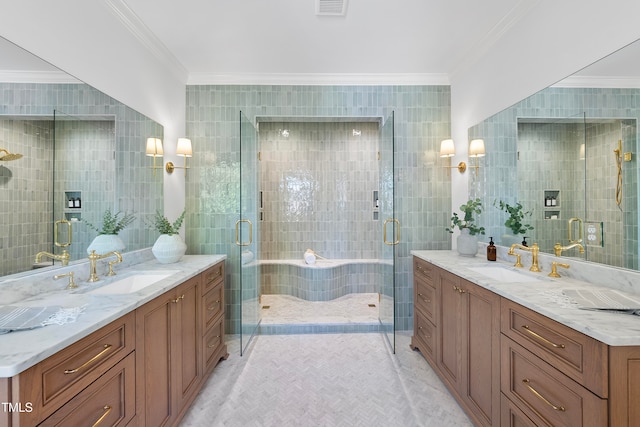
{"points": [[238, 242], [384, 231], [570, 230]]}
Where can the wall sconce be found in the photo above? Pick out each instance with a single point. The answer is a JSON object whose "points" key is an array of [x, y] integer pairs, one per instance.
{"points": [[447, 149], [476, 149], [154, 149], [183, 149]]}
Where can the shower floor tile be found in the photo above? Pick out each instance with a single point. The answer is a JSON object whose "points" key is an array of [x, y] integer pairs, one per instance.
{"points": [[352, 308]]}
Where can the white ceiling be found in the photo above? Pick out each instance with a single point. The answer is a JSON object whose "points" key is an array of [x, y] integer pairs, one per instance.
{"points": [[249, 40], [259, 37]]}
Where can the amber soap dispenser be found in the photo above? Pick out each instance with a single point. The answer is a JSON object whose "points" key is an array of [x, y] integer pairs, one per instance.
{"points": [[491, 250]]}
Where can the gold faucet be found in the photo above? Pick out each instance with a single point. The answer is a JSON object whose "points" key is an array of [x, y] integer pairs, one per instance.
{"points": [[554, 268], [534, 249], [72, 283], [93, 257], [558, 248], [64, 256]]}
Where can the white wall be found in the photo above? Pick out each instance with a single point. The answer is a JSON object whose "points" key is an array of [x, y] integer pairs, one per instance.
{"points": [[102, 44], [554, 40]]}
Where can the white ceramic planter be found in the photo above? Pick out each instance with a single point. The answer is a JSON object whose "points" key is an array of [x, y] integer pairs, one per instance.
{"points": [[169, 248], [467, 244], [104, 243]]}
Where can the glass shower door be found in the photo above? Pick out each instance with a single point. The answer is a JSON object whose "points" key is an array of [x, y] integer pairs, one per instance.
{"points": [[247, 234], [390, 231]]}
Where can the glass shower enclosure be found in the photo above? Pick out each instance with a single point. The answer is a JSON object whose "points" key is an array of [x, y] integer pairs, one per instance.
{"points": [[247, 238]]}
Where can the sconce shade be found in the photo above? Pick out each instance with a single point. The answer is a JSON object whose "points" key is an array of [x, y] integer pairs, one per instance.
{"points": [[154, 147], [582, 152], [184, 147], [476, 148], [447, 149]]}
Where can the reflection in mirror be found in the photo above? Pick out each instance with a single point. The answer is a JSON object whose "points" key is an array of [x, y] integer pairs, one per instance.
{"points": [[83, 152], [535, 152]]}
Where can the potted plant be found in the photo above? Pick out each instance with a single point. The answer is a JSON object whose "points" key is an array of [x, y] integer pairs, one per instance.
{"points": [[515, 222], [169, 247], [467, 241], [107, 239]]}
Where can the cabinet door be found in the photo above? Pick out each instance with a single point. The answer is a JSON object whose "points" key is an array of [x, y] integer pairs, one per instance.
{"points": [[449, 346], [481, 352], [155, 331], [187, 358]]}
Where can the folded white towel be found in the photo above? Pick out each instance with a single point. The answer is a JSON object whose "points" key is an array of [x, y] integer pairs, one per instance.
{"points": [[14, 318]]}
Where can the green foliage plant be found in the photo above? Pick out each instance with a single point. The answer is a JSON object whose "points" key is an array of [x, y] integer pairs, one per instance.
{"points": [[517, 216], [164, 226], [471, 208], [112, 223]]}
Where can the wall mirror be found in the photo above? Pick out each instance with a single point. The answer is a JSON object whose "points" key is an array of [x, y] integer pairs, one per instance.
{"points": [[568, 154], [70, 153]]}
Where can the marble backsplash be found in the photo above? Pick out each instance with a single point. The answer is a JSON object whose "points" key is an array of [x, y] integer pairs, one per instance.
{"points": [[598, 274]]}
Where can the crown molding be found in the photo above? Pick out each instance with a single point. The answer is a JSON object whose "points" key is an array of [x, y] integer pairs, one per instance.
{"points": [[18, 76], [479, 49], [146, 37], [310, 79], [599, 82]]}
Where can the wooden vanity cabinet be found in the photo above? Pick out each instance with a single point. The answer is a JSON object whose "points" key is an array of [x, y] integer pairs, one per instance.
{"points": [[467, 325], [424, 313], [143, 369], [213, 346], [174, 333], [65, 376], [168, 356], [511, 366]]}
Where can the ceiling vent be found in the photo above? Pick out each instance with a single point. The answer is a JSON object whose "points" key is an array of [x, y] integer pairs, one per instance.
{"points": [[331, 7]]}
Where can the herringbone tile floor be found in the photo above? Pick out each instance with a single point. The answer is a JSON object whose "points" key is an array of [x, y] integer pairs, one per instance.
{"points": [[324, 380]]}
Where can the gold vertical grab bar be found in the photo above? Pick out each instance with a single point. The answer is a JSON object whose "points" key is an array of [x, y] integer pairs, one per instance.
{"points": [[69, 233], [618, 154], [384, 231], [238, 242], [570, 230]]}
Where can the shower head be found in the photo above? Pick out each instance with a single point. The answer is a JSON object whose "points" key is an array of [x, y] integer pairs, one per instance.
{"points": [[9, 156]]}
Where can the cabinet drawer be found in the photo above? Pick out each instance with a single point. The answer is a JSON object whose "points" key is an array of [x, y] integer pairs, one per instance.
{"points": [[212, 276], [426, 334], [48, 387], [580, 357], [512, 416], [212, 305], [423, 269], [425, 298], [108, 401], [213, 342], [544, 394]]}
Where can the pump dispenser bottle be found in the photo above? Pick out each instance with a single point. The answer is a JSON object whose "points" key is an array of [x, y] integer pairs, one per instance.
{"points": [[491, 250]]}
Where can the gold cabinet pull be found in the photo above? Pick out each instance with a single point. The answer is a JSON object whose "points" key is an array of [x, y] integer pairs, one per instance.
{"points": [[426, 336], [214, 307], [541, 338], [177, 300], [541, 397], [213, 345], [427, 300], [458, 289], [107, 410], [106, 348]]}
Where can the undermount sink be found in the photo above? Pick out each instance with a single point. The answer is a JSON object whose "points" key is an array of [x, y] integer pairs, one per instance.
{"points": [[133, 283], [503, 274]]}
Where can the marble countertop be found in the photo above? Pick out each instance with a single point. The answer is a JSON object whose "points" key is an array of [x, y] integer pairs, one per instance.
{"points": [[19, 350], [544, 296]]}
